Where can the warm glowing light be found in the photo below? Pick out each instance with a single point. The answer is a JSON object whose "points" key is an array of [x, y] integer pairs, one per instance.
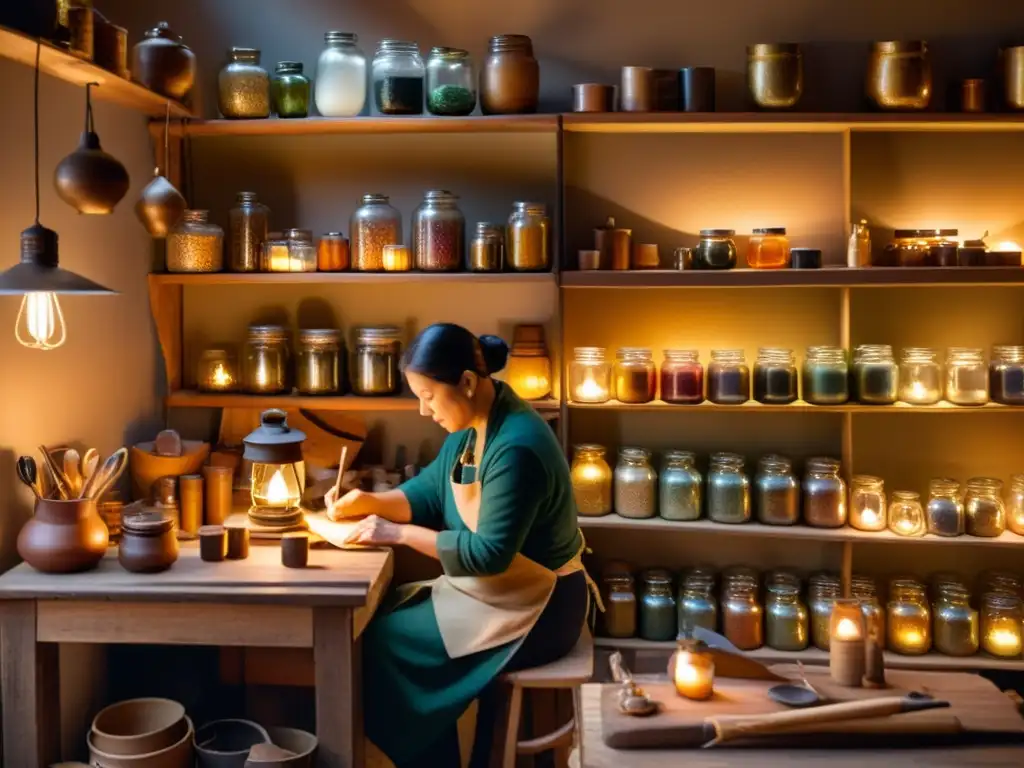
{"points": [[847, 629], [694, 676], [912, 638], [1004, 642], [918, 391], [589, 391], [277, 490], [1008, 245], [221, 379], [870, 517], [40, 323], [529, 376], [395, 258]]}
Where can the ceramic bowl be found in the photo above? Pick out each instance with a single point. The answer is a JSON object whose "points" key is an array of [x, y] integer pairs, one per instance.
{"points": [[147, 467], [138, 726], [178, 755], [300, 744], [226, 743]]}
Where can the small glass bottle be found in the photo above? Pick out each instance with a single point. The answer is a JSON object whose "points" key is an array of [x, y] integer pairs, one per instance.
{"points": [[438, 232], [824, 497], [195, 245], [332, 253], [908, 619], [868, 507], [876, 376], [966, 376], [487, 248], [636, 376], [682, 377], [984, 509], [591, 480], [243, 86], [318, 362], [1015, 505], [956, 623], [451, 82], [248, 225], [826, 379], [658, 613], [715, 250], [1006, 374], [775, 376], [289, 90], [945, 509], [301, 250], [1002, 624], [529, 238], [620, 605], [921, 381], [374, 224], [743, 617], [906, 515], [821, 595], [679, 488], [728, 377], [697, 604], [728, 489], [590, 376], [787, 622], [340, 89], [858, 251], [776, 492], [768, 248], [398, 74], [636, 484]]}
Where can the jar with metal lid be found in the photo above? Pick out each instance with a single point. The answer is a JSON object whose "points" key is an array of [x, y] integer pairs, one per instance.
{"points": [[716, 249], [149, 542], [921, 248], [679, 489], [301, 251], [984, 508], [826, 379], [876, 376], [195, 245], [591, 481], [864, 590], [438, 232], [451, 82], [658, 619], [742, 617], [289, 90], [776, 492], [821, 596], [340, 89], [945, 511], [243, 86], [1015, 505], [682, 377], [332, 253], [1002, 624], [1006, 374], [487, 248], [267, 360], [318, 362], [217, 371], [248, 225], [728, 489], [906, 515], [775, 376], [528, 238], [869, 509], [374, 224], [636, 376], [966, 376], [1001, 581], [921, 381], [620, 615], [908, 618], [825, 504], [510, 78], [781, 576], [636, 484], [375, 367], [768, 249], [728, 377], [697, 604], [590, 376], [398, 74], [956, 623], [786, 619]]}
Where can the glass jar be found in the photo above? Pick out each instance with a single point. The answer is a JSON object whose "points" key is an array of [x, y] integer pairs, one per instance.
{"points": [[821, 596], [679, 487], [248, 225], [776, 492], [378, 349], [636, 376], [908, 619], [267, 359], [742, 617], [1006, 375], [768, 249], [728, 377], [590, 376], [984, 509], [658, 619], [340, 89], [1015, 505], [787, 622], [716, 249], [451, 82], [591, 481], [636, 484], [289, 90], [826, 379], [920, 376], [697, 604], [332, 253], [868, 507], [728, 489], [510, 78], [438, 232], [374, 224], [682, 377], [528, 238], [906, 515], [317, 362], [1001, 581], [217, 371], [824, 494], [243, 86], [620, 605], [876, 376], [945, 511], [301, 250], [1002, 620], [921, 248], [956, 623], [775, 376], [874, 614], [195, 245], [966, 376], [487, 248], [398, 74]]}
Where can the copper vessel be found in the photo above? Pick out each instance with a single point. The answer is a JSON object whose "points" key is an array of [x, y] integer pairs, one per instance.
{"points": [[972, 95], [162, 63], [637, 90], [593, 97], [64, 536], [775, 74], [510, 78], [1013, 75], [900, 75]]}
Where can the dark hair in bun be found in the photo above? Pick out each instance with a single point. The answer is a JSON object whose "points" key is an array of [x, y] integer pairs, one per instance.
{"points": [[444, 351]]}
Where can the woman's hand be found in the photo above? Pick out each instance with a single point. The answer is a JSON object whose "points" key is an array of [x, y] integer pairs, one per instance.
{"points": [[376, 531], [353, 504]]}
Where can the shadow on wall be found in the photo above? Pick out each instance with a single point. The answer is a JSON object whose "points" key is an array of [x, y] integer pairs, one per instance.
{"points": [[16, 509]]}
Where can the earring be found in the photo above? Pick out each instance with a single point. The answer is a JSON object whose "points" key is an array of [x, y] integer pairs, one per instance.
{"points": [[469, 393]]}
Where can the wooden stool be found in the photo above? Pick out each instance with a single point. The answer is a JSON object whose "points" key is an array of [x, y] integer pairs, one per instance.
{"points": [[571, 672]]}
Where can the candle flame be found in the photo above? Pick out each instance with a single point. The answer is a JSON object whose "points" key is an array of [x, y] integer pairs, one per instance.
{"points": [[277, 489], [847, 629], [221, 377], [589, 390]]}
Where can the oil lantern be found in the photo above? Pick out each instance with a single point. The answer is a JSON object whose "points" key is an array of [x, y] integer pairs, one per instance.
{"points": [[278, 472]]}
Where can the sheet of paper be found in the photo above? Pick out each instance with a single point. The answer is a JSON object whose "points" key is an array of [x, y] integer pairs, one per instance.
{"points": [[332, 531]]}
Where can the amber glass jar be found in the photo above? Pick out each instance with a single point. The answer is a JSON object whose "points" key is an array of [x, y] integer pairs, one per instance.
{"points": [[591, 481], [636, 484], [768, 248], [510, 77], [728, 377], [906, 515], [1002, 624], [775, 376], [1015, 505], [636, 376], [908, 618], [824, 497], [984, 508], [945, 510], [590, 376], [787, 624], [620, 605], [682, 377], [528, 238], [743, 617], [868, 508], [716, 249], [956, 623]]}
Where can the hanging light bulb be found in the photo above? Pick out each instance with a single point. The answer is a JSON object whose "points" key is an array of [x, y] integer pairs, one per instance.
{"points": [[40, 323]]}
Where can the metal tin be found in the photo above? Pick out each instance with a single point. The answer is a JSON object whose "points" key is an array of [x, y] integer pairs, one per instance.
{"points": [[900, 75], [588, 260], [698, 89], [593, 97], [972, 95], [645, 256], [614, 243], [487, 249], [637, 91], [775, 74]]}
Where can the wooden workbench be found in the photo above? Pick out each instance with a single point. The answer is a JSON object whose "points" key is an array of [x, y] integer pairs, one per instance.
{"points": [[251, 602]]}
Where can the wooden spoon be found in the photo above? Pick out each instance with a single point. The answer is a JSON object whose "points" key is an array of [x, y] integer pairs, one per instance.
{"points": [[72, 471], [90, 461]]}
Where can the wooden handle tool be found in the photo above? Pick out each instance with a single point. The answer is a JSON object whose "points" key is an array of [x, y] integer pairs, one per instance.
{"points": [[106, 475], [90, 462], [72, 472], [56, 475]]}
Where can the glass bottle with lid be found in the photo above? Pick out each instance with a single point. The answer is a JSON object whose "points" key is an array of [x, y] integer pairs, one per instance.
{"points": [[906, 515], [301, 250], [908, 618], [786, 619], [868, 507], [728, 377], [984, 508], [591, 480], [451, 82], [775, 376], [658, 614], [340, 89], [620, 604], [945, 511], [438, 232], [728, 489], [374, 224], [1006, 374], [697, 604], [826, 379], [956, 623], [195, 245], [636, 376], [289, 90], [375, 367], [267, 359], [682, 377], [1002, 625], [528, 236], [768, 248], [636, 484], [590, 376], [921, 381], [318, 362], [863, 588], [487, 248], [716, 249], [1015, 505], [398, 74], [966, 376], [743, 616], [217, 370], [776, 492], [821, 596], [248, 225], [679, 488], [824, 497], [875, 375], [243, 86]]}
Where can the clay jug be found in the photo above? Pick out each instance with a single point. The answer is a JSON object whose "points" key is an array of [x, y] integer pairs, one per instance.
{"points": [[64, 536]]}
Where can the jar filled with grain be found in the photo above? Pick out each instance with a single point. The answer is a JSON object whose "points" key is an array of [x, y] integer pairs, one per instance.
{"points": [[591, 480], [776, 491], [438, 232], [375, 366], [821, 596], [248, 225], [267, 359], [635, 375], [195, 245], [956, 622], [728, 489], [529, 238], [636, 484], [787, 624], [824, 497], [374, 224], [487, 249], [679, 491], [451, 82], [243, 86], [984, 508], [318, 369], [697, 604]]}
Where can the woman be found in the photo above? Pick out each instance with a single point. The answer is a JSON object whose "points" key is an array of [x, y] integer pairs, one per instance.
{"points": [[496, 509]]}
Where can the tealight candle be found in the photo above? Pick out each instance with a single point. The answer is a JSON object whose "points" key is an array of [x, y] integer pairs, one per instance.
{"points": [[590, 376], [396, 258], [216, 371], [692, 671], [1002, 632], [846, 655]]}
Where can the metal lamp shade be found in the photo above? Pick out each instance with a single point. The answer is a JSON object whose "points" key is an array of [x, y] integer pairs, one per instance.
{"points": [[90, 180], [38, 271], [274, 442]]}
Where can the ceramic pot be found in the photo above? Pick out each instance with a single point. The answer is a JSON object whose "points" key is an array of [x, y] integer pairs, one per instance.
{"points": [[63, 536], [89, 179], [178, 755], [226, 743], [164, 64], [160, 206], [289, 748], [149, 543], [138, 727]]}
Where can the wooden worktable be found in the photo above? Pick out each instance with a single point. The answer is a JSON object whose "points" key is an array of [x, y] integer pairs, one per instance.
{"points": [[251, 602]]}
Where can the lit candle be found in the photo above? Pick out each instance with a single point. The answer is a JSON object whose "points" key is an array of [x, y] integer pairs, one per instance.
{"points": [[911, 640], [918, 392], [847, 629], [1003, 642], [277, 490], [846, 648], [395, 258], [221, 378], [589, 391], [694, 675], [870, 518]]}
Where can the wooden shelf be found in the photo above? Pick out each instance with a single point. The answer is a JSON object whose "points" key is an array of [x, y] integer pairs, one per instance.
{"points": [[308, 126], [341, 278], [792, 532], [829, 277], [193, 399], [817, 656], [752, 406], [62, 65]]}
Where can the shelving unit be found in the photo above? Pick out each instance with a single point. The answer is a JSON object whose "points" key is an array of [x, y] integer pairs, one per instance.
{"points": [[353, 278], [194, 399], [355, 125]]}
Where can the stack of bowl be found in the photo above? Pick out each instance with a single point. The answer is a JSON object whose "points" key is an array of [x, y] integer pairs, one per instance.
{"points": [[226, 743], [141, 733], [289, 748]]}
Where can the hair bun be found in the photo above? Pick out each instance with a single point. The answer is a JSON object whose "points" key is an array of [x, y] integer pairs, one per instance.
{"points": [[495, 352]]}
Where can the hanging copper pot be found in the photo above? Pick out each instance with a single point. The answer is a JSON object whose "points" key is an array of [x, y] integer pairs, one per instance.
{"points": [[160, 206], [89, 179]]}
